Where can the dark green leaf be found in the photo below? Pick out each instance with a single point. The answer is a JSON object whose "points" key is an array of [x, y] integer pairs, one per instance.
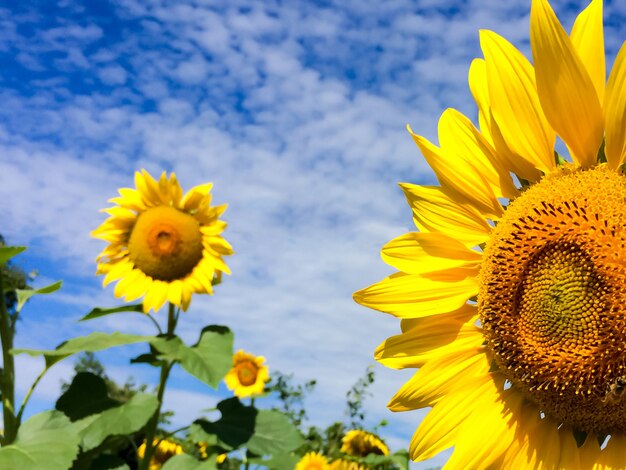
{"points": [[91, 343], [86, 395], [147, 358], [273, 433], [108, 462], [101, 312], [236, 425], [125, 419], [208, 360], [187, 462], [8, 252], [47, 440], [24, 294]]}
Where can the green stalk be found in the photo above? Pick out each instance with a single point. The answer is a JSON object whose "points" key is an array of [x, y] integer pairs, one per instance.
{"points": [[7, 381], [165, 372]]}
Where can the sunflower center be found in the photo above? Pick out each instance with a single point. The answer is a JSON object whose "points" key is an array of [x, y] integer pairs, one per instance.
{"points": [[553, 297], [247, 373], [165, 243]]}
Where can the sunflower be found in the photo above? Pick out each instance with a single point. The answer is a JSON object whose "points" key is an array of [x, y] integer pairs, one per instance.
{"points": [[162, 245], [362, 443], [312, 461], [163, 452], [512, 294], [248, 375], [342, 464]]}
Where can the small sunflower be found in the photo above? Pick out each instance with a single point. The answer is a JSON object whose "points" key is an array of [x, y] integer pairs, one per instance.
{"points": [[360, 443], [312, 461], [162, 245], [248, 375], [512, 294], [342, 464], [165, 451]]}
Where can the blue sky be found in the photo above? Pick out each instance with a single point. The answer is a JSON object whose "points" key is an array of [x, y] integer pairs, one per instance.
{"points": [[295, 110]]}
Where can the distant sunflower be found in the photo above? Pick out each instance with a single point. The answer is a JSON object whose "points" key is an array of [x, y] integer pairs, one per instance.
{"points": [[165, 451], [343, 464], [248, 375], [312, 461], [512, 294], [362, 443], [162, 245]]}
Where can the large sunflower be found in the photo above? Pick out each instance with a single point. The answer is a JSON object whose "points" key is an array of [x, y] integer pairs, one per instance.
{"points": [[162, 245], [512, 294], [248, 375]]}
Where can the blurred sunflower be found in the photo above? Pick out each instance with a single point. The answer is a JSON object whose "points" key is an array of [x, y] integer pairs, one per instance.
{"points": [[162, 245], [512, 294], [362, 443], [342, 464], [248, 375], [164, 451], [312, 461]]}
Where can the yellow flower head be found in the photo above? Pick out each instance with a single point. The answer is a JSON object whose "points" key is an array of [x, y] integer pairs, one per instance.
{"points": [[162, 245], [362, 443], [248, 375], [342, 464], [165, 450], [312, 461], [512, 294]]}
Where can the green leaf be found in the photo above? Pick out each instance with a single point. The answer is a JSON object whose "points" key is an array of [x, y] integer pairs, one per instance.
{"points": [[8, 252], [208, 360], [24, 294], [273, 433], [47, 440], [86, 395], [108, 462], [279, 462], [91, 343], [187, 462], [401, 458], [125, 419], [101, 312], [234, 428]]}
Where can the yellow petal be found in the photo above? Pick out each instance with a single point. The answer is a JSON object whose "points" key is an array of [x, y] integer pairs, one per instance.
{"points": [[613, 456], [436, 211], [463, 315], [570, 456], [439, 377], [487, 433], [515, 104], [489, 127], [565, 89], [536, 444], [412, 296], [461, 167], [174, 292], [437, 335], [417, 253], [615, 112], [588, 41], [589, 453], [438, 429]]}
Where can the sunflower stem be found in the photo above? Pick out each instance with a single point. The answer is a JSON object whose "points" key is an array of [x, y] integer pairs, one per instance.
{"points": [[165, 372], [7, 381]]}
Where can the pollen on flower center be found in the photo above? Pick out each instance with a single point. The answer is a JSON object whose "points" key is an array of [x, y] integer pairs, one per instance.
{"points": [[553, 297], [247, 373], [165, 243]]}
